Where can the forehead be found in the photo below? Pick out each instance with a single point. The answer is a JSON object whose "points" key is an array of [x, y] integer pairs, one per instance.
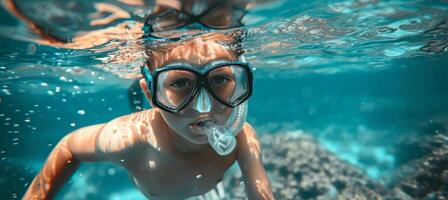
{"points": [[196, 52]]}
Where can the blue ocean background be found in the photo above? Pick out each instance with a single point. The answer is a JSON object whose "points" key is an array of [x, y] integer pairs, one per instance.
{"points": [[366, 78]]}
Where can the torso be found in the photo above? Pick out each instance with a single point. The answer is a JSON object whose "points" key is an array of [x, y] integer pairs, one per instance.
{"points": [[161, 172]]}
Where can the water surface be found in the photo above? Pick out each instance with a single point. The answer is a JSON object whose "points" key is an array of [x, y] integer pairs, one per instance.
{"points": [[359, 76]]}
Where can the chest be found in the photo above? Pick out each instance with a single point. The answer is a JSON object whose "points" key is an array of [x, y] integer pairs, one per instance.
{"points": [[161, 174]]}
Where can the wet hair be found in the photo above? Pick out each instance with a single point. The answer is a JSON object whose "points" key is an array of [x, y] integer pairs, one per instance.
{"points": [[202, 45]]}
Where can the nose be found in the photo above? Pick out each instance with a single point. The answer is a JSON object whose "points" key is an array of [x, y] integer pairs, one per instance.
{"points": [[202, 102]]}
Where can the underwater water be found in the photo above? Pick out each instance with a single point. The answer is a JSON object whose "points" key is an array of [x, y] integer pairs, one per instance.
{"points": [[366, 78]]}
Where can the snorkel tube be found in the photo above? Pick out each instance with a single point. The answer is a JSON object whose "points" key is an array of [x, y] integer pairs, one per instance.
{"points": [[222, 138]]}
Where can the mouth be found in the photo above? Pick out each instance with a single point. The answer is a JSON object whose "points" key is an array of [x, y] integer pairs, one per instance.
{"points": [[201, 122], [198, 126]]}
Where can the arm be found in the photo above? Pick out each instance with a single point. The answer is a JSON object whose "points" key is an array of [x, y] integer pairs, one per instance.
{"points": [[249, 159], [58, 168], [104, 142]]}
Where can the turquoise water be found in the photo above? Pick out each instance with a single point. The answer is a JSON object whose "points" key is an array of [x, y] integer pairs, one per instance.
{"points": [[360, 76]]}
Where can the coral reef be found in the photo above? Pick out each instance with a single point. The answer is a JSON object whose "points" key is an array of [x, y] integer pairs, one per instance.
{"points": [[301, 169], [426, 177]]}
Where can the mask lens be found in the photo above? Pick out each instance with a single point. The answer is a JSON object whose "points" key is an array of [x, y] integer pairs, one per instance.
{"points": [[229, 83], [174, 87]]}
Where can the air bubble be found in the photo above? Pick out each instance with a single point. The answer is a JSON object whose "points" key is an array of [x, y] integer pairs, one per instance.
{"points": [[31, 49], [72, 124], [111, 171], [81, 112], [6, 91]]}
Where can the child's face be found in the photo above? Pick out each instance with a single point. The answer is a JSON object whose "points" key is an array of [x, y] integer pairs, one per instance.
{"points": [[185, 122]]}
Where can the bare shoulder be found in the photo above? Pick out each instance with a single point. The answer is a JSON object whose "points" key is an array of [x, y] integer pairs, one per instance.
{"points": [[86, 131], [248, 140], [81, 142], [124, 133], [112, 141], [248, 133], [83, 136]]}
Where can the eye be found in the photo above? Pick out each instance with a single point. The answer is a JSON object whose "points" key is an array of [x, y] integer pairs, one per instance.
{"points": [[181, 83], [220, 80]]}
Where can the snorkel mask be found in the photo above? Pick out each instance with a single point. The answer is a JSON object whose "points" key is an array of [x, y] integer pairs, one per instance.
{"points": [[175, 85]]}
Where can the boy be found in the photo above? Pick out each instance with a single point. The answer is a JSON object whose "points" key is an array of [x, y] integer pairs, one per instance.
{"points": [[165, 149]]}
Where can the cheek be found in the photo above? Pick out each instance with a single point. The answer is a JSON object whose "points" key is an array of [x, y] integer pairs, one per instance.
{"points": [[218, 107], [175, 121], [224, 115]]}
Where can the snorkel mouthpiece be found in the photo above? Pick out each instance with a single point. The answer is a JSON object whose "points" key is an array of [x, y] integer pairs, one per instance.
{"points": [[222, 138]]}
